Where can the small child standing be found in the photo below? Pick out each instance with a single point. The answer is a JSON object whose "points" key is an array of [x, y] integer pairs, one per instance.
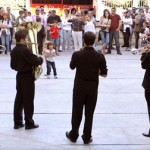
{"points": [[54, 36], [49, 55]]}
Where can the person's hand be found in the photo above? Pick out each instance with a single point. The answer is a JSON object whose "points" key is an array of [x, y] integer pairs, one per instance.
{"points": [[118, 29]]}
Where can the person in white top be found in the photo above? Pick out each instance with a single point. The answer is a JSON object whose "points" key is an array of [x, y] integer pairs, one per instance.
{"points": [[5, 31], [49, 55], [127, 23], [146, 27], [90, 23], [66, 26], [38, 14], [26, 17]]}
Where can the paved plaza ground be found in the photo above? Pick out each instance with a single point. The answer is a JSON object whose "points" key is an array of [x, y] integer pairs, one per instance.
{"points": [[119, 120]]}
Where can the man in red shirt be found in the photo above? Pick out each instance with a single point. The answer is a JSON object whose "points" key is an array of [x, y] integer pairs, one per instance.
{"points": [[114, 31], [54, 36]]}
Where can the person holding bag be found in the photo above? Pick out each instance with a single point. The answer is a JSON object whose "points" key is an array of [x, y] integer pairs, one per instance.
{"points": [[105, 22]]}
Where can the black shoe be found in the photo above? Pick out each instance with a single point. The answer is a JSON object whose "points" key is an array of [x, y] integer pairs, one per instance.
{"points": [[18, 126], [123, 46], [34, 126], [59, 51], [147, 135], [108, 52], [119, 53], [87, 141], [68, 136]]}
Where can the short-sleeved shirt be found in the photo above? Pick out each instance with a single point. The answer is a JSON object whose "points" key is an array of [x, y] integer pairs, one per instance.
{"points": [[55, 31], [52, 19], [51, 58], [114, 22]]}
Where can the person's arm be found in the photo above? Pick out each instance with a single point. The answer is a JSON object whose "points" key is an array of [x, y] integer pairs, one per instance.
{"points": [[119, 26], [72, 62], [103, 66], [101, 22], [145, 59], [31, 58]]}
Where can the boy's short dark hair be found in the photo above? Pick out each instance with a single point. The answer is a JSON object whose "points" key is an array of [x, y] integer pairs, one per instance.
{"points": [[21, 34], [89, 38]]}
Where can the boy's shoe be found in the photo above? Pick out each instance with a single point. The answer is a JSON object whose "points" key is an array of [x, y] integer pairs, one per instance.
{"points": [[48, 76], [55, 77]]}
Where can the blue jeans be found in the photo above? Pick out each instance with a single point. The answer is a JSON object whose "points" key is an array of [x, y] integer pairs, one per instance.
{"points": [[49, 65], [105, 37], [66, 39], [5, 41]]}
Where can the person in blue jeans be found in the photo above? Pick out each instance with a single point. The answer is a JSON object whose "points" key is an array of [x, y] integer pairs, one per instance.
{"points": [[5, 32], [105, 22], [49, 55]]}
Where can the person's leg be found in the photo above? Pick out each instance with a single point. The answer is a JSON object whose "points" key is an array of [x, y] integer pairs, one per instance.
{"points": [[102, 34], [3, 41], [54, 68], [11, 37], [64, 41], [18, 104], [57, 46], [80, 40], [77, 110], [90, 104], [128, 37], [147, 97], [117, 42], [69, 39], [110, 41], [7, 42], [28, 90], [48, 66], [74, 36], [136, 39]]}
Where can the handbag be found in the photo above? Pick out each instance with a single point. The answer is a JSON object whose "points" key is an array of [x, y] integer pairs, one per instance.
{"points": [[104, 28]]}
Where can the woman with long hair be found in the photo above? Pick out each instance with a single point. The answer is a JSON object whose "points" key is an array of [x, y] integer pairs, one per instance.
{"points": [[105, 22]]}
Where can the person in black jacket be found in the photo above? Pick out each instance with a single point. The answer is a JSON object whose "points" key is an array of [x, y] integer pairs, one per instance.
{"points": [[23, 61], [145, 63], [89, 65]]}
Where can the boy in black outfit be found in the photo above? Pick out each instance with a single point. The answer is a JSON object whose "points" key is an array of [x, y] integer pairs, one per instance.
{"points": [[23, 61]]}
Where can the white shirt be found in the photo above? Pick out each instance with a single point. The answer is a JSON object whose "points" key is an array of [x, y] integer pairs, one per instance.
{"points": [[5, 22], [51, 58], [89, 26], [28, 19], [127, 20], [65, 24]]}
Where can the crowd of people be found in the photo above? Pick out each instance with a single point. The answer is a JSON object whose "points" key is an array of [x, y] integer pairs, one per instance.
{"points": [[66, 31], [78, 31]]}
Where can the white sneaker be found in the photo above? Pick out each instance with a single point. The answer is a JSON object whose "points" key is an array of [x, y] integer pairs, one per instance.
{"points": [[48, 76]]}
